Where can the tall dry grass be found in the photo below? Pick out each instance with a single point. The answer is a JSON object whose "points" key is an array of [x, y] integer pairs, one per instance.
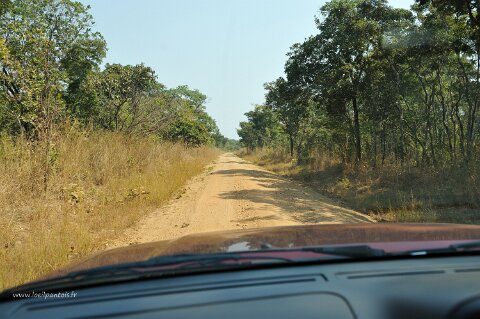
{"points": [[99, 184], [390, 193]]}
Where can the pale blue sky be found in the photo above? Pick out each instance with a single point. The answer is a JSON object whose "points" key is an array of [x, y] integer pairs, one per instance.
{"points": [[226, 49]]}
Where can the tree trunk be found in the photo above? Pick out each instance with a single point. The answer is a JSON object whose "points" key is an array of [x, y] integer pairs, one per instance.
{"points": [[291, 144], [402, 138], [356, 123]]}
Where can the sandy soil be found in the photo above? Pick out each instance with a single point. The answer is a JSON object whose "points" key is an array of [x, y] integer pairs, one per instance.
{"points": [[234, 194]]}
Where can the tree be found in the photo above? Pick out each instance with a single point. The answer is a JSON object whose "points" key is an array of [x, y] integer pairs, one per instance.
{"points": [[81, 63], [50, 71], [39, 36], [121, 90], [188, 130], [227, 144], [281, 98], [382, 83], [349, 34], [195, 98], [36, 38], [463, 18], [262, 129], [4, 6]]}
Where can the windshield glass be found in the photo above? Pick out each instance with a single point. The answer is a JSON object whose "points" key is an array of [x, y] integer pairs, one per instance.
{"points": [[247, 125]]}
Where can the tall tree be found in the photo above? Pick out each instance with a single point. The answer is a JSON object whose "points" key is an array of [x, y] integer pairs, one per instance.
{"points": [[281, 98], [121, 89], [464, 19], [41, 37], [262, 129], [350, 32]]}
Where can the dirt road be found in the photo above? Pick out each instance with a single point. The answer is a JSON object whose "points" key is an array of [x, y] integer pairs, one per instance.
{"points": [[235, 194]]}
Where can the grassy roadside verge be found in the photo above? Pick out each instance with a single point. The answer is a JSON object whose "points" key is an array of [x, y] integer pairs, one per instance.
{"points": [[99, 184], [389, 194]]}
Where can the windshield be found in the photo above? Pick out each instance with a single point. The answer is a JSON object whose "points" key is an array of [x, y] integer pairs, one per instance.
{"points": [[248, 126]]}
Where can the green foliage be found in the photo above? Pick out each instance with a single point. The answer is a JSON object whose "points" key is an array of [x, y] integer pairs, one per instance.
{"points": [[50, 71], [227, 144], [40, 37], [192, 124], [4, 6], [379, 84], [120, 91], [261, 129], [189, 131], [195, 98]]}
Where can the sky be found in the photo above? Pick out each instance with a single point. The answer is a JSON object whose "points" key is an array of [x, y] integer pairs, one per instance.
{"points": [[225, 49]]}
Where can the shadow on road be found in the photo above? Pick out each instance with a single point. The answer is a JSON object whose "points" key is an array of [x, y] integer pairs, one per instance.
{"points": [[235, 162], [294, 200], [256, 218]]}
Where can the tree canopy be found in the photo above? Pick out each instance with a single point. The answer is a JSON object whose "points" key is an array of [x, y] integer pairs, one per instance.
{"points": [[51, 71], [378, 84]]}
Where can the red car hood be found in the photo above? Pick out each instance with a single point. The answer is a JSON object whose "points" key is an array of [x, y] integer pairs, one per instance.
{"points": [[391, 237]]}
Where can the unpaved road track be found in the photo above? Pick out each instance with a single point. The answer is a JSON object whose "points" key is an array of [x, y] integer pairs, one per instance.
{"points": [[234, 194]]}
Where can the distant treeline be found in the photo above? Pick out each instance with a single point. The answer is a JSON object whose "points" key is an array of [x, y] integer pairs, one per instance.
{"points": [[50, 72], [378, 85]]}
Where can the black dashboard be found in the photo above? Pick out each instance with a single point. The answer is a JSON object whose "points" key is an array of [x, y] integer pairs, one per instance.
{"points": [[447, 287]]}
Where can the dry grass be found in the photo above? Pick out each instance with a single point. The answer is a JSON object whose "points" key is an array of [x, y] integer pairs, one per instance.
{"points": [[99, 184], [390, 193]]}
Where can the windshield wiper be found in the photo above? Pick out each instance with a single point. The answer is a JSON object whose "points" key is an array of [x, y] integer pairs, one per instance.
{"points": [[163, 266], [362, 251], [154, 267], [353, 251], [454, 248], [180, 264], [186, 264]]}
